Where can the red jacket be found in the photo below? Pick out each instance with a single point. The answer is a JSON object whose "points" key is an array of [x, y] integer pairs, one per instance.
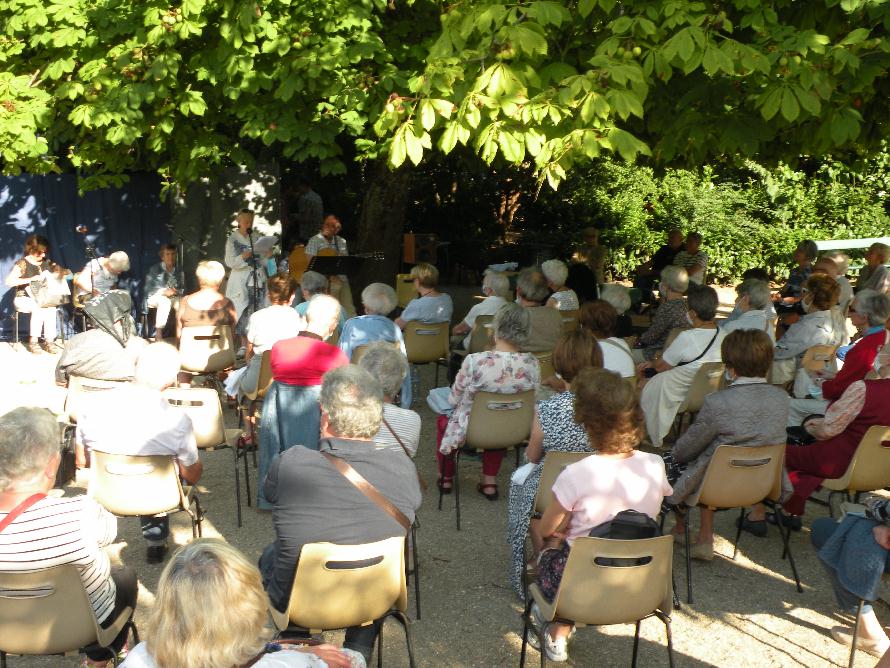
{"points": [[857, 363]]}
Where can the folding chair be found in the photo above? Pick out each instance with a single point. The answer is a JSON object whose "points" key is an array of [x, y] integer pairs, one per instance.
{"points": [[48, 611], [545, 365], [405, 291], [427, 343], [482, 334], [205, 350], [135, 485], [708, 378], [337, 586], [570, 320], [738, 477], [203, 407], [818, 358], [360, 351], [497, 422], [597, 591], [250, 412], [82, 391], [869, 470]]}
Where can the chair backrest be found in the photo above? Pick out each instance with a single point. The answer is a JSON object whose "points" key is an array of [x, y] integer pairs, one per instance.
{"points": [[740, 476], [405, 291], [203, 407], [570, 321], [45, 612], [818, 358], [83, 391], [499, 421], [554, 464], [482, 335], [206, 348], [128, 485], [869, 470], [337, 586], [708, 378], [592, 592], [359, 351], [426, 342], [264, 381], [545, 364]]}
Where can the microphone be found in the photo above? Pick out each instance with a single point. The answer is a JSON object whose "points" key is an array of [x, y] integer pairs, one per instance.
{"points": [[81, 229]]}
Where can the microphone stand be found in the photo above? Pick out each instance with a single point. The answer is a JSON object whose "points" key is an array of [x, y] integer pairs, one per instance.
{"points": [[254, 300]]}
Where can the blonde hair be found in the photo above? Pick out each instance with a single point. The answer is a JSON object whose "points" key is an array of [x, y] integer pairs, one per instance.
{"points": [[118, 261], [426, 274], [210, 273], [210, 610]]}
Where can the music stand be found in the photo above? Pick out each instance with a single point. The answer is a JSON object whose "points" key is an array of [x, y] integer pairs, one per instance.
{"points": [[336, 265]]}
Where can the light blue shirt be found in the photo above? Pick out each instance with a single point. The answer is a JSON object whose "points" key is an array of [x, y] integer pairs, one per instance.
{"points": [[369, 328], [429, 310]]}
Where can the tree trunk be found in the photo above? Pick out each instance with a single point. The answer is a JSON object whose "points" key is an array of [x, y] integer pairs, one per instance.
{"points": [[381, 224]]}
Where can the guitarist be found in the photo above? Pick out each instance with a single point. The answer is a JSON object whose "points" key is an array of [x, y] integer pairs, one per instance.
{"points": [[328, 242]]}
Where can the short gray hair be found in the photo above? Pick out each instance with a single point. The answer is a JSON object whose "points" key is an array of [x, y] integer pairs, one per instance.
{"points": [[157, 366], [757, 292], [323, 310], [874, 305], [387, 364], [676, 278], [497, 282], [532, 285], [379, 299], [314, 283], [512, 323], [704, 301], [29, 437], [617, 295], [353, 401], [119, 261], [555, 271]]}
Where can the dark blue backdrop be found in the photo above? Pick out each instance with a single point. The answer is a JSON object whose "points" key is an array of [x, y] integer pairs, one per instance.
{"points": [[132, 218]]}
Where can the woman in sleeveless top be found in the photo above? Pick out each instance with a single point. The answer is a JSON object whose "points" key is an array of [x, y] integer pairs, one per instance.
{"points": [[207, 306]]}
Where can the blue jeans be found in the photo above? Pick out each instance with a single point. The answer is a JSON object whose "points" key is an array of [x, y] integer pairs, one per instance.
{"points": [[819, 534]]}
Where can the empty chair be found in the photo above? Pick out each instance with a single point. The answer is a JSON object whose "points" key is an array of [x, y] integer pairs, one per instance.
{"points": [[340, 586], [137, 485], [427, 343], [869, 470], [597, 591]]}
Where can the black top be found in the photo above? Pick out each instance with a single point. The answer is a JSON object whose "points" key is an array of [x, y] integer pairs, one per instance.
{"points": [[315, 503], [663, 257], [30, 270]]}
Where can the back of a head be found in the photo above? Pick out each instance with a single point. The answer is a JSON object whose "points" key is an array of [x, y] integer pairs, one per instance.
{"points": [[323, 312], [281, 288], [210, 273], [313, 283], [606, 406], [576, 351], [532, 285], [749, 352], [822, 291], [703, 299], [388, 365], [757, 292], [208, 577], [809, 249], [119, 261], [842, 260], [352, 399], [826, 265], [874, 305], [426, 274], [616, 295], [676, 278], [555, 271], [379, 299], [29, 439], [157, 366], [497, 283], [757, 272], [512, 323], [599, 317], [882, 250]]}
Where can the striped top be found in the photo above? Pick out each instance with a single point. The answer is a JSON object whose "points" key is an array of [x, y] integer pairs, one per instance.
{"points": [[55, 532]]}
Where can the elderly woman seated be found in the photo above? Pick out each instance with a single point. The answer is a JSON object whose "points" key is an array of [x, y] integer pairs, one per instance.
{"points": [[753, 309], [619, 297], [401, 427], [378, 300], [554, 429], [38, 525], [504, 370], [208, 575], [874, 274], [312, 283], [563, 298], [816, 327], [664, 392], [591, 492], [207, 306], [431, 306], [670, 314], [749, 412], [600, 318]]}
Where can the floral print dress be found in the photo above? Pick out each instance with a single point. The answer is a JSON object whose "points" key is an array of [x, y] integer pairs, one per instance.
{"points": [[561, 434], [489, 371]]}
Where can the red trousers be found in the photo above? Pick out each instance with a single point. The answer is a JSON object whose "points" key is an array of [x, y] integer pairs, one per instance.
{"points": [[491, 459]]}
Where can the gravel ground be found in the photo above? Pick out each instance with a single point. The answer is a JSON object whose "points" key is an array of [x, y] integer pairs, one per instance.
{"points": [[746, 612]]}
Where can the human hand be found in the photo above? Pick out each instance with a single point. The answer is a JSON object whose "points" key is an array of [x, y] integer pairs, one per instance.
{"points": [[882, 535], [246, 255], [169, 292], [330, 655]]}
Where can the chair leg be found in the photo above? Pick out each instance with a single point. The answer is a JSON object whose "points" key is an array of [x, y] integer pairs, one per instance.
{"points": [[406, 625], [830, 507], [246, 479], [667, 629], [688, 561], [786, 545], [738, 534], [525, 618], [199, 517], [855, 634], [380, 643], [456, 486], [134, 631], [2, 659], [633, 661], [416, 568], [238, 486], [439, 484]]}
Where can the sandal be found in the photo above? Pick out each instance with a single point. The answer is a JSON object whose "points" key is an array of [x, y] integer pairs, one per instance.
{"points": [[445, 485], [491, 496], [793, 521]]}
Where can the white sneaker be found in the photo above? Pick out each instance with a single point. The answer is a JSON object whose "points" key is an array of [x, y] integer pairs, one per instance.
{"points": [[556, 650]]}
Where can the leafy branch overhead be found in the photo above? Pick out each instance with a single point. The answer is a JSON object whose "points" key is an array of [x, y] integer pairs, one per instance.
{"points": [[679, 80]]}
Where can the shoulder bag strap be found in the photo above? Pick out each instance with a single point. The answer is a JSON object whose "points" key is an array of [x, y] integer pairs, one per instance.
{"points": [[19, 509], [703, 352], [368, 489], [392, 431]]}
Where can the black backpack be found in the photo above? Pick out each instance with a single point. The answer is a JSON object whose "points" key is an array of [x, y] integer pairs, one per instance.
{"points": [[626, 525]]}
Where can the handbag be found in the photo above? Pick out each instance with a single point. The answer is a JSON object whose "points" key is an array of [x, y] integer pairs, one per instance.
{"points": [[626, 525]]}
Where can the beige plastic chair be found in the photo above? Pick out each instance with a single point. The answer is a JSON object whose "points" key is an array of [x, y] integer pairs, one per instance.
{"points": [[554, 464], [337, 586], [545, 364], [570, 321], [206, 349], [249, 408], [82, 391], [360, 351], [708, 379], [405, 291], [738, 477], [482, 335], [818, 358], [427, 343], [594, 591], [48, 612], [134, 485], [203, 407], [869, 470], [497, 422]]}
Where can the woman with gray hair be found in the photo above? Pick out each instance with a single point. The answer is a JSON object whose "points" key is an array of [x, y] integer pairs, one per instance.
{"points": [[670, 314], [504, 370], [311, 284], [378, 300], [564, 299], [37, 525], [496, 288], [753, 304], [401, 427]]}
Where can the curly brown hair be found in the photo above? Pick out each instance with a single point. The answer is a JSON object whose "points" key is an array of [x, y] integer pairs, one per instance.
{"points": [[823, 290], [35, 242], [607, 407]]}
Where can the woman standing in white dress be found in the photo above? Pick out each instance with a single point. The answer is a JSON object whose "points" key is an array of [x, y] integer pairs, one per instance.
{"points": [[239, 260]]}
